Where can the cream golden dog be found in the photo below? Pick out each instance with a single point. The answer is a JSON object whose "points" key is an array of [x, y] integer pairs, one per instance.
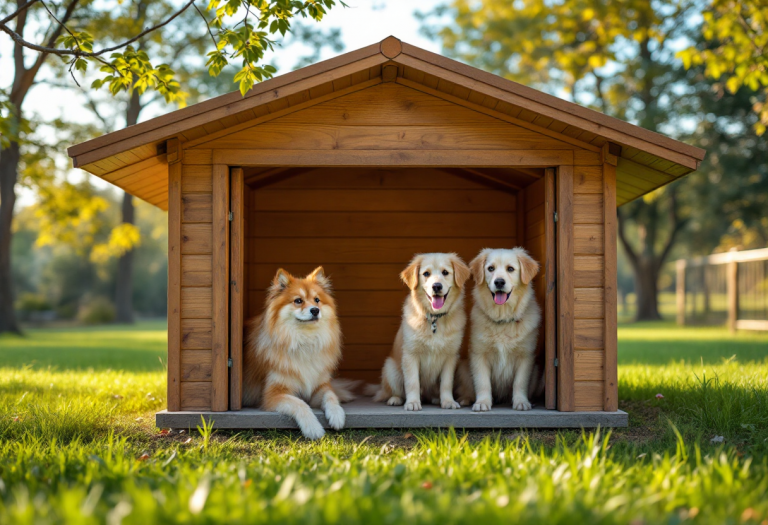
{"points": [[505, 324], [426, 349], [292, 350]]}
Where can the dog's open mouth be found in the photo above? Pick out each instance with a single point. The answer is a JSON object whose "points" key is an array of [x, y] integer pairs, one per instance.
{"points": [[500, 297], [438, 301]]}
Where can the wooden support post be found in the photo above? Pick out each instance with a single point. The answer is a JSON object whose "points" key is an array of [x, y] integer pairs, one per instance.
{"points": [[520, 233], [174, 285], [565, 290], [610, 365], [732, 287], [550, 291], [680, 291], [220, 268], [236, 285]]}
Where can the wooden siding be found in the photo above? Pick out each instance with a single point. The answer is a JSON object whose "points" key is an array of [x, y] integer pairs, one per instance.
{"points": [[367, 239], [589, 282], [196, 285]]}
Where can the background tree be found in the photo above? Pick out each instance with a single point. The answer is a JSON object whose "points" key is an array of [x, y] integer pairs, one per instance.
{"points": [[240, 30], [616, 56]]}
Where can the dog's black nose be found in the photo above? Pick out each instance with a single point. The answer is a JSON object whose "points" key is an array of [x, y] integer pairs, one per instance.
{"points": [[499, 283], [437, 287], [314, 311]]}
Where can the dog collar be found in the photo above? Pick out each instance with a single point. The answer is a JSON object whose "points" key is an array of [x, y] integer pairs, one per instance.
{"points": [[432, 319], [503, 321]]}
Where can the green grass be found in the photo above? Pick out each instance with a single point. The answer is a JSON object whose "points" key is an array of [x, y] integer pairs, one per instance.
{"points": [[78, 445]]}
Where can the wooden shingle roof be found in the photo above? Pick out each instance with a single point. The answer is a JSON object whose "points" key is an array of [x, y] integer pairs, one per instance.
{"points": [[135, 158]]}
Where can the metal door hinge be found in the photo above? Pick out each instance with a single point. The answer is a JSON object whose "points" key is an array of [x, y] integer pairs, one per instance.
{"points": [[229, 362], [231, 216], [556, 362], [555, 217]]}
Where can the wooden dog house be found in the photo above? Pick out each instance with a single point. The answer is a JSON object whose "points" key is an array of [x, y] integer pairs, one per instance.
{"points": [[357, 163]]}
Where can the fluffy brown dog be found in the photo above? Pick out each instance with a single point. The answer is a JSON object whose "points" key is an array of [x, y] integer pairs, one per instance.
{"points": [[292, 350], [426, 348], [505, 325]]}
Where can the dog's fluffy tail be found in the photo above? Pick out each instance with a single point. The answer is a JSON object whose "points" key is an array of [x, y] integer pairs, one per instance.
{"points": [[345, 389]]}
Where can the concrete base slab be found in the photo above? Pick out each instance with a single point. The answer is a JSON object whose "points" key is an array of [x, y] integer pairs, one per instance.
{"points": [[367, 414]]}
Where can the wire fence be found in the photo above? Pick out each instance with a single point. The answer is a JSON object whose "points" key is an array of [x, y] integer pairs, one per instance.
{"points": [[726, 288]]}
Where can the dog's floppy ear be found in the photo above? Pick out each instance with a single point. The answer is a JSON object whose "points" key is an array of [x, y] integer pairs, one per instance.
{"points": [[318, 275], [477, 266], [410, 275], [461, 271], [528, 267]]}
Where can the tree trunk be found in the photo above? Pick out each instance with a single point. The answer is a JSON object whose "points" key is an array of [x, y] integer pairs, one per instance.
{"points": [[9, 165], [646, 292], [124, 291]]}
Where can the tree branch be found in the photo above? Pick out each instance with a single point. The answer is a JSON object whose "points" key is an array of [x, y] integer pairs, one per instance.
{"points": [[677, 226], [77, 53], [18, 11]]}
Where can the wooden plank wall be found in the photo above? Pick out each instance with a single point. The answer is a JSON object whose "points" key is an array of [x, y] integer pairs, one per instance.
{"points": [[534, 240], [196, 281], [589, 283], [363, 226]]}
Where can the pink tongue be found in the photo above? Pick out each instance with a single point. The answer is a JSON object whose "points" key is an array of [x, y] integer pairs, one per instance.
{"points": [[500, 298], [438, 302]]}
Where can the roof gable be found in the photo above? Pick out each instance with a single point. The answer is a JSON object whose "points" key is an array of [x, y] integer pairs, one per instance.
{"points": [[647, 160]]}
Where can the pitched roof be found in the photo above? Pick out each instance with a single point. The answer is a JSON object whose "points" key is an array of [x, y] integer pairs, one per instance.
{"points": [[646, 160]]}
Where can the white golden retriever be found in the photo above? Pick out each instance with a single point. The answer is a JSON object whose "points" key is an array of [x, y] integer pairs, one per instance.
{"points": [[426, 348], [505, 324]]}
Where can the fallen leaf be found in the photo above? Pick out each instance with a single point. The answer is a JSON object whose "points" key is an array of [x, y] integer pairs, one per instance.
{"points": [[143, 457], [407, 435], [182, 431], [188, 441], [165, 431], [247, 483], [426, 485], [16, 419]]}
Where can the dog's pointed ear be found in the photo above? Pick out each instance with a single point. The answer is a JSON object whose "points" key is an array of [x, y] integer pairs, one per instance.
{"points": [[282, 279], [318, 275], [461, 271], [528, 267], [477, 266], [410, 275]]}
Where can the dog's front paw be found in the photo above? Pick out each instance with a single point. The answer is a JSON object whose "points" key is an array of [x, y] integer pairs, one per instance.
{"points": [[335, 416], [413, 406], [481, 406], [521, 403], [312, 429], [395, 400], [449, 404]]}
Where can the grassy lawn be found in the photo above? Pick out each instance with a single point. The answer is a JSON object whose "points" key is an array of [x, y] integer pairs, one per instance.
{"points": [[78, 444]]}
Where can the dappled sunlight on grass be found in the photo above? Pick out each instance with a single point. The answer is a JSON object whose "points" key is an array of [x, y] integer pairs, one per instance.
{"points": [[78, 444]]}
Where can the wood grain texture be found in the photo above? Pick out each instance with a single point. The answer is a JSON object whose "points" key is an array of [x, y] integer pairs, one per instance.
{"points": [[611, 400], [588, 271], [588, 395], [196, 207], [196, 270], [196, 303], [589, 303], [589, 333], [237, 287], [196, 365], [550, 296], [197, 179], [588, 239], [589, 365], [376, 178], [565, 307], [587, 179], [196, 238], [376, 224], [344, 277], [588, 208], [174, 287], [196, 395], [220, 290], [196, 334]]}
